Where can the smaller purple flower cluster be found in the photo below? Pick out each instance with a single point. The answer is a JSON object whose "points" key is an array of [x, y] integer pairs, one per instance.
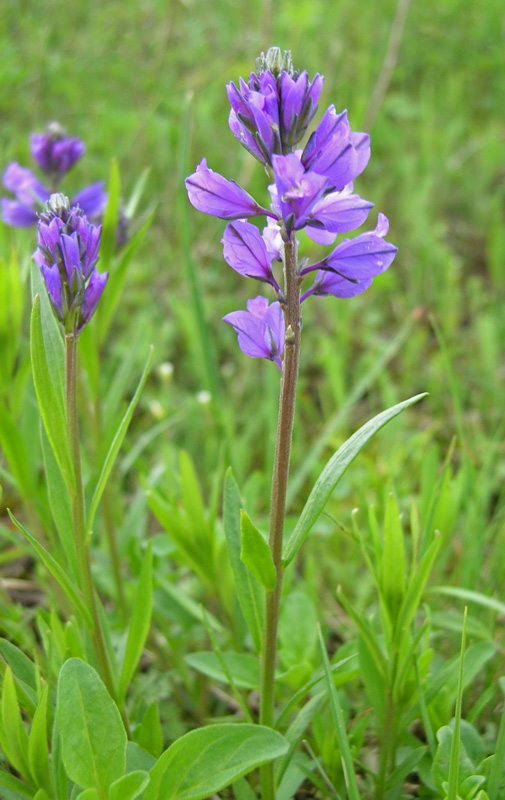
{"points": [[55, 153], [312, 189], [66, 256]]}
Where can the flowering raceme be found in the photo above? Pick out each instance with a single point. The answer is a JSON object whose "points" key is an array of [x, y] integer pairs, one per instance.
{"points": [[66, 256], [311, 189], [55, 153]]}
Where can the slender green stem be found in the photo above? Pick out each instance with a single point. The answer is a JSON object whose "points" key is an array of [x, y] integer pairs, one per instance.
{"points": [[78, 513], [278, 496]]}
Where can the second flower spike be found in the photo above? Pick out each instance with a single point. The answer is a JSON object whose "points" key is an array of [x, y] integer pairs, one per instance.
{"points": [[66, 256]]}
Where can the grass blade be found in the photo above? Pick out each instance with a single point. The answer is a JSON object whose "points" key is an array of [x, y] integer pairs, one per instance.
{"points": [[452, 790], [340, 731]]}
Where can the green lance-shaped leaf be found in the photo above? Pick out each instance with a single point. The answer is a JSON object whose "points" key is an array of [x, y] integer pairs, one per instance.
{"points": [[12, 788], [149, 735], [117, 442], [498, 764], [334, 470], [59, 501], [393, 560], [38, 752], [46, 357], [243, 668], [255, 553], [339, 725], [139, 626], [13, 737], [206, 760], [58, 573], [249, 591], [452, 793], [93, 738], [15, 450], [129, 786], [23, 670]]}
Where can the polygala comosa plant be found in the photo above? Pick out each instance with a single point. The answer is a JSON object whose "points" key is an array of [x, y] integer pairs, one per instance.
{"points": [[105, 693]]}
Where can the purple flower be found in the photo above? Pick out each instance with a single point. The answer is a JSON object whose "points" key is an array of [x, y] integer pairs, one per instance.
{"points": [[66, 255], [55, 152], [296, 191], [334, 151], [29, 193], [92, 201], [209, 192], [312, 189], [246, 251], [270, 113], [349, 269], [260, 329], [337, 212]]}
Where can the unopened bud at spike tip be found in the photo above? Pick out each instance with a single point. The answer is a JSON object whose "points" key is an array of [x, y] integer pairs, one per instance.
{"points": [[275, 61]]}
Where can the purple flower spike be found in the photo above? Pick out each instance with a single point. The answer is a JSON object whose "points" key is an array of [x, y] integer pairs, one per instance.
{"points": [[260, 329], [55, 152], [297, 191], [271, 111], [211, 193], [246, 252], [66, 256]]}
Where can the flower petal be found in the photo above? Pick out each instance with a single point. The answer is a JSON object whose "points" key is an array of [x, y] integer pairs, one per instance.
{"points": [[260, 329], [17, 214], [297, 191], [92, 200], [363, 257], [246, 252], [211, 193], [339, 212], [92, 295]]}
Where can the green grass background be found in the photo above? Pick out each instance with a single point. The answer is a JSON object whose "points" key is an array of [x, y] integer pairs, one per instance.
{"points": [[145, 82]]}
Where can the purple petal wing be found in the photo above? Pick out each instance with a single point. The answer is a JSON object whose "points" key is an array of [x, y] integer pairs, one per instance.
{"points": [[23, 183], [209, 192], [92, 295], [363, 257], [17, 214], [297, 191], [71, 255], [339, 212], [52, 279], [245, 251], [92, 200], [251, 333], [338, 286], [245, 137]]}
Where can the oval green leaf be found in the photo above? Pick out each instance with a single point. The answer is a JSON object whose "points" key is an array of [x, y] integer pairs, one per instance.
{"points": [[206, 760], [93, 738]]}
